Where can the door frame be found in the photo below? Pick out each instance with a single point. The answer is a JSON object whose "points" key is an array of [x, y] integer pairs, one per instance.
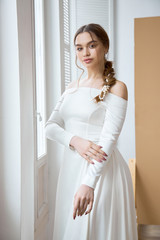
{"points": [[26, 76]]}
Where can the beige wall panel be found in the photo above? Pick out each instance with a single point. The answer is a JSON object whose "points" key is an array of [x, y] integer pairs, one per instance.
{"points": [[147, 119]]}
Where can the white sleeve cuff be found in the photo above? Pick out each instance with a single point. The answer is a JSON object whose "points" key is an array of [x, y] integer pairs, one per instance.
{"points": [[90, 181]]}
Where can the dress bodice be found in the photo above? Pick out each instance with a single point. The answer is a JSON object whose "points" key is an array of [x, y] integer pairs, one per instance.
{"points": [[76, 114], [83, 116]]}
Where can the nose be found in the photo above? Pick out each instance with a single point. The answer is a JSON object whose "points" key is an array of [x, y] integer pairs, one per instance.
{"points": [[86, 52]]}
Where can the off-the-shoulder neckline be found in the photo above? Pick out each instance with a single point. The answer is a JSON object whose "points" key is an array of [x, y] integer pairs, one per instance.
{"points": [[112, 94]]}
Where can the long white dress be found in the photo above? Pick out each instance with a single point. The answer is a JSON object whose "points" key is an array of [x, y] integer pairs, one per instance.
{"points": [[113, 215]]}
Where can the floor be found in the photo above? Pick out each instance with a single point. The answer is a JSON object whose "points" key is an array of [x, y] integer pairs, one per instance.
{"points": [[148, 232]]}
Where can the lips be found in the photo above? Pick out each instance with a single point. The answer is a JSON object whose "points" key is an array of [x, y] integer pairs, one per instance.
{"points": [[87, 60]]}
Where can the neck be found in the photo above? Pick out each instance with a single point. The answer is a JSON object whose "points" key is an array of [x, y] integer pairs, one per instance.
{"points": [[95, 73]]}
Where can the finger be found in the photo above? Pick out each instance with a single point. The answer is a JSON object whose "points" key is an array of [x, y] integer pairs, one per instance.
{"points": [[101, 151], [76, 206], [98, 157], [87, 158], [90, 207], [75, 210], [98, 149], [84, 208], [81, 205]]}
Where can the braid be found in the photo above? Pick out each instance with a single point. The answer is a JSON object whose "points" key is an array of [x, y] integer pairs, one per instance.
{"points": [[109, 80]]}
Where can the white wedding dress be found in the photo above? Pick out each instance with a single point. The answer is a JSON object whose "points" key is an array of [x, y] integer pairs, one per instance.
{"points": [[113, 215]]}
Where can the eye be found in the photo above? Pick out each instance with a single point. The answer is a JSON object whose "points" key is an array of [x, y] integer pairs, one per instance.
{"points": [[78, 49], [92, 45]]}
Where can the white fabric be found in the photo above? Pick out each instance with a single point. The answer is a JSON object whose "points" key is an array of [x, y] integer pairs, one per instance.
{"points": [[113, 214]]}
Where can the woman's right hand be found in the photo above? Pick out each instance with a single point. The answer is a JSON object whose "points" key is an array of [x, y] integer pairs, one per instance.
{"points": [[88, 149]]}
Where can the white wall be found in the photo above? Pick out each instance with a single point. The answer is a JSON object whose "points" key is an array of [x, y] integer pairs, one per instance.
{"points": [[27, 115], [125, 12], [9, 124], [16, 121]]}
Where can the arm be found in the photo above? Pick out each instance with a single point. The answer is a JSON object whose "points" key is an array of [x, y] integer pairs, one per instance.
{"points": [[54, 127], [114, 118]]}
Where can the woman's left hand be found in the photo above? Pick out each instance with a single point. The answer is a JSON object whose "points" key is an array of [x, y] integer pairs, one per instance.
{"points": [[83, 197]]}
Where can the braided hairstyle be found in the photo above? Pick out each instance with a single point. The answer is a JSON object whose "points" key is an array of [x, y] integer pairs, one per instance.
{"points": [[108, 74]]}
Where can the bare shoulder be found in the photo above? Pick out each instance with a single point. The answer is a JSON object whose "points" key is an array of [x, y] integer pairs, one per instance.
{"points": [[72, 84], [119, 89]]}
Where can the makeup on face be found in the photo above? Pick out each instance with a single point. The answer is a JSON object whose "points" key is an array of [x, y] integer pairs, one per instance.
{"points": [[88, 49]]}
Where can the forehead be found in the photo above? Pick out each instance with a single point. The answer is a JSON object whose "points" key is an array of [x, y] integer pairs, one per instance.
{"points": [[84, 38]]}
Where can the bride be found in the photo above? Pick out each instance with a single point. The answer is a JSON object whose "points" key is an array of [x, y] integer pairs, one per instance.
{"points": [[94, 198]]}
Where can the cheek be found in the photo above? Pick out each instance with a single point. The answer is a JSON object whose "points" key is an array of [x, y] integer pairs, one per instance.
{"points": [[99, 55], [95, 54], [79, 55]]}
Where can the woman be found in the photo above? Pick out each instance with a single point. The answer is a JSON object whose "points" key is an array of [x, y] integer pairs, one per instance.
{"points": [[94, 181]]}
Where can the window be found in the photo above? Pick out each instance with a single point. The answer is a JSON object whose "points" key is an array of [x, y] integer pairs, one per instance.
{"points": [[74, 14], [40, 78], [41, 158]]}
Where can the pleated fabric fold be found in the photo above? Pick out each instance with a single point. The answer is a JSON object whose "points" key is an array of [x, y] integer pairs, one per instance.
{"points": [[113, 215]]}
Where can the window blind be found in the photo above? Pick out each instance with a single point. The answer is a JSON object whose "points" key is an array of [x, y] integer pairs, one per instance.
{"points": [[65, 43], [74, 14]]}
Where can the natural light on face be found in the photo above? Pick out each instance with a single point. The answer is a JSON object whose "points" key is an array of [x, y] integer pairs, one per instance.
{"points": [[85, 40], [85, 47], [91, 44]]}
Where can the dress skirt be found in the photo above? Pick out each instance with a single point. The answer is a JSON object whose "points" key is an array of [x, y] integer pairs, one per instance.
{"points": [[113, 214]]}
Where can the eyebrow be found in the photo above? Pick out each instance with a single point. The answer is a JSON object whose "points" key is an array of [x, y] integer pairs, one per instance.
{"points": [[87, 43]]}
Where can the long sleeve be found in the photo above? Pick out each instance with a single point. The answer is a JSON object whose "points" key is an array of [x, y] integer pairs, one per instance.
{"points": [[54, 127], [114, 118]]}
